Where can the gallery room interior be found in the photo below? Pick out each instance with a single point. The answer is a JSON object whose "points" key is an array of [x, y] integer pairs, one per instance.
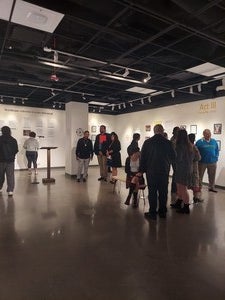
{"points": [[74, 65]]}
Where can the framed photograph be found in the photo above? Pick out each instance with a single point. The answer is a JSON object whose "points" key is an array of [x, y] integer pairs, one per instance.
{"points": [[93, 137], [219, 144], [193, 129], [147, 127], [217, 128], [93, 128], [183, 127], [26, 132]]}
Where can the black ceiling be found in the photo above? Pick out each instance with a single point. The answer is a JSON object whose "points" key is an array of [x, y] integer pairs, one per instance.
{"points": [[163, 38]]}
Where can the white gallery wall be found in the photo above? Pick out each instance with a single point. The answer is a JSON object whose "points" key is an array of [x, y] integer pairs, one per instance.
{"points": [[47, 123], [197, 115], [51, 124]]}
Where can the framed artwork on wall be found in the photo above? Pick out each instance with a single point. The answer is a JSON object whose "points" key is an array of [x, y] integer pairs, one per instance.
{"points": [[219, 144], [26, 132], [147, 127], [93, 128], [193, 129], [217, 128]]}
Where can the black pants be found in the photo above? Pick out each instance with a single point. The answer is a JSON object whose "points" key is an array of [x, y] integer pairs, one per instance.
{"points": [[32, 158], [173, 184], [158, 190]]}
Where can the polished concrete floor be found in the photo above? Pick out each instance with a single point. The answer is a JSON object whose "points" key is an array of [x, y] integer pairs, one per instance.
{"points": [[72, 240]]}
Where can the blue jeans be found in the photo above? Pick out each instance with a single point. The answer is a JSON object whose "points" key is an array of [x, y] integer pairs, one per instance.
{"points": [[32, 158]]}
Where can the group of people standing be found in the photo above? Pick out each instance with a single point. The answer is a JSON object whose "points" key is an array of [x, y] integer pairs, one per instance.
{"points": [[189, 162]]}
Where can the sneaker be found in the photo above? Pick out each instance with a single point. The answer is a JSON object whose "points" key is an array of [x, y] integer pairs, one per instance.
{"points": [[100, 178], [10, 193]]}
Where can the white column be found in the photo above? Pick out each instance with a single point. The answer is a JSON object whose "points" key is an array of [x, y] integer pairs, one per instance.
{"points": [[76, 123]]}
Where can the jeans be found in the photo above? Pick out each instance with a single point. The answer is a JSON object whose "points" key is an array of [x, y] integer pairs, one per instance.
{"points": [[8, 169], [83, 164], [32, 158]]}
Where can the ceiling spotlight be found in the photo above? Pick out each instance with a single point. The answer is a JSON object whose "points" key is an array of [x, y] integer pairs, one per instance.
{"points": [[99, 109], [145, 80], [204, 82], [93, 110], [83, 97], [142, 101], [124, 105], [131, 104], [113, 107], [14, 100], [46, 49], [20, 84], [199, 87], [191, 90], [53, 105], [126, 73], [52, 92], [22, 101], [2, 99], [119, 106], [149, 99], [60, 105], [172, 93]]}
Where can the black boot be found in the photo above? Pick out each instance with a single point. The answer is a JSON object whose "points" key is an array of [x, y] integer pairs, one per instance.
{"points": [[135, 200], [127, 202], [177, 204], [184, 210], [132, 187]]}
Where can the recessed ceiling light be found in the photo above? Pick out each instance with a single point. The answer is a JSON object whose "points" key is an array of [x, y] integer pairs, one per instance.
{"points": [[30, 15], [207, 69], [140, 90]]}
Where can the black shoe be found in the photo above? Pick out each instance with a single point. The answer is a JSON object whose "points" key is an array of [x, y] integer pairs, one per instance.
{"points": [[84, 180], [177, 204], [100, 178], [162, 215], [197, 200], [212, 190], [151, 216], [78, 180], [184, 210]]}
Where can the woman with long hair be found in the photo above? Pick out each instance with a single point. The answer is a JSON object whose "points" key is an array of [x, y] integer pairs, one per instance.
{"points": [[184, 165], [113, 154]]}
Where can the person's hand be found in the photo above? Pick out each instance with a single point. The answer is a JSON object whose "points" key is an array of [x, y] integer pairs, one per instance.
{"points": [[139, 174]]}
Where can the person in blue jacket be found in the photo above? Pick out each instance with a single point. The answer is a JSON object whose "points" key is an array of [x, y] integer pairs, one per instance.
{"points": [[209, 152]]}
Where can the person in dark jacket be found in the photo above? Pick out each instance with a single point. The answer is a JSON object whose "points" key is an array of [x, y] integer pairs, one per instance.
{"points": [[113, 153], [101, 146], [134, 144], [8, 150], [157, 154], [84, 153]]}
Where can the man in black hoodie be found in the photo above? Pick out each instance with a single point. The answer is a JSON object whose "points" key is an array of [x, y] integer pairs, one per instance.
{"points": [[8, 150], [157, 154]]}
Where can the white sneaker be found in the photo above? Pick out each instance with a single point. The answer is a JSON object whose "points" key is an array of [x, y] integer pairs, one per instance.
{"points": [[10, 193]]}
